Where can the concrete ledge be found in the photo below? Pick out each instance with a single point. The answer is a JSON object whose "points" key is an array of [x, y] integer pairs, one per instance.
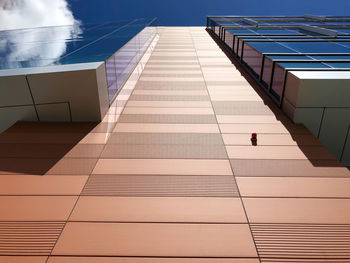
{"points": [[82, 88], [321, 101]]}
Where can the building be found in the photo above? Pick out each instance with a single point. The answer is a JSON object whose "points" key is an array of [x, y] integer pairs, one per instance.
{"points": [[303, 63], [52, 73], [171, 173]]}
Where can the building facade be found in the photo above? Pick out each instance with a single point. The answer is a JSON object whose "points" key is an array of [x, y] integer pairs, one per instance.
{"points": [[68, 73], [172, 174], [303, 63]]}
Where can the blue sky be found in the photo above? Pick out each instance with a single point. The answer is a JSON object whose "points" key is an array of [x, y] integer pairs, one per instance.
{"points": [[193, 12]]}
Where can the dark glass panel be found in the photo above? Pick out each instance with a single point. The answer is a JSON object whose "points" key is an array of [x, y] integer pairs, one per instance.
{"points": [[236, 46], [229, 39], [266, 77], [239, 47], [253, 59], [278, 82]]}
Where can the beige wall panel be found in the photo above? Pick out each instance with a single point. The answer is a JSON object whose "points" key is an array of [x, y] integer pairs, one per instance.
{"points": [[310, 117], [288, 109], [334, 129], [291, 89], [54, 112], [323, 89], [10, 115], [14, 91], [346, 153], [77, 87]]}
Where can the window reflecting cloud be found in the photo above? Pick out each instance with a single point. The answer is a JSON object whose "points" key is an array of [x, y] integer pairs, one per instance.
{"points": [[37, 31]]}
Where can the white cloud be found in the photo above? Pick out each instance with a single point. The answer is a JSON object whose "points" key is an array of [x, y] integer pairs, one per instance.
{"points": [[16, 14], [22, 14]]}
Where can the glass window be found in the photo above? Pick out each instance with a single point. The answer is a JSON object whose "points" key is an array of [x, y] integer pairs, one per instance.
{"points": [[301, 57], [242, 32], [343, 31], [276, 32], [239, 48], [278, 82], [339, 64], [74, 60], [266, 77], [331, 57], [229, 39], [306, 65], [345, 44], [317, 47], [270, 47], [111, 71], [101, 47], [253, 59]]}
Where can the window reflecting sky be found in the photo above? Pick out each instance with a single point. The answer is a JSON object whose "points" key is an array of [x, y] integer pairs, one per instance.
{"points": [[65, 44]]}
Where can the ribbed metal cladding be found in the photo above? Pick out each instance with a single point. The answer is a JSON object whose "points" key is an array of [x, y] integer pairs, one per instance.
{"points": [[162, 185], [166, 138], [303, 241], [176, 75], [164, 151], [155, 58], [168, 98], [241, 108], [171, 118], [28, 238], [167, 85], [289, 168]]}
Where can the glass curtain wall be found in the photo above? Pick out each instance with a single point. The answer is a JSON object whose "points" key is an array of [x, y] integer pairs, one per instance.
{"points": [[119, 44], [271, 46]]}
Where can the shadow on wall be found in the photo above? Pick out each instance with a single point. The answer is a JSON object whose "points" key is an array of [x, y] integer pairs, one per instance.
{"points": [[48, 148], [312, 148]]}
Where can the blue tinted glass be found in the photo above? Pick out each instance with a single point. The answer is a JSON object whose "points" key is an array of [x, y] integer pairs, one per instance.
{"points": [[77, 43], [127, 31], [302, 65], [241, 32], [35, 35], [270, 47], [338, 23], [289, 57], [311, 23], [345, 44], [343, 31], [74, 60], [276, 32], [101, 47], [339, 64], [35, 51], [274, 38], [25, 63], [317, 47], [225, 23], [332, 57]]}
